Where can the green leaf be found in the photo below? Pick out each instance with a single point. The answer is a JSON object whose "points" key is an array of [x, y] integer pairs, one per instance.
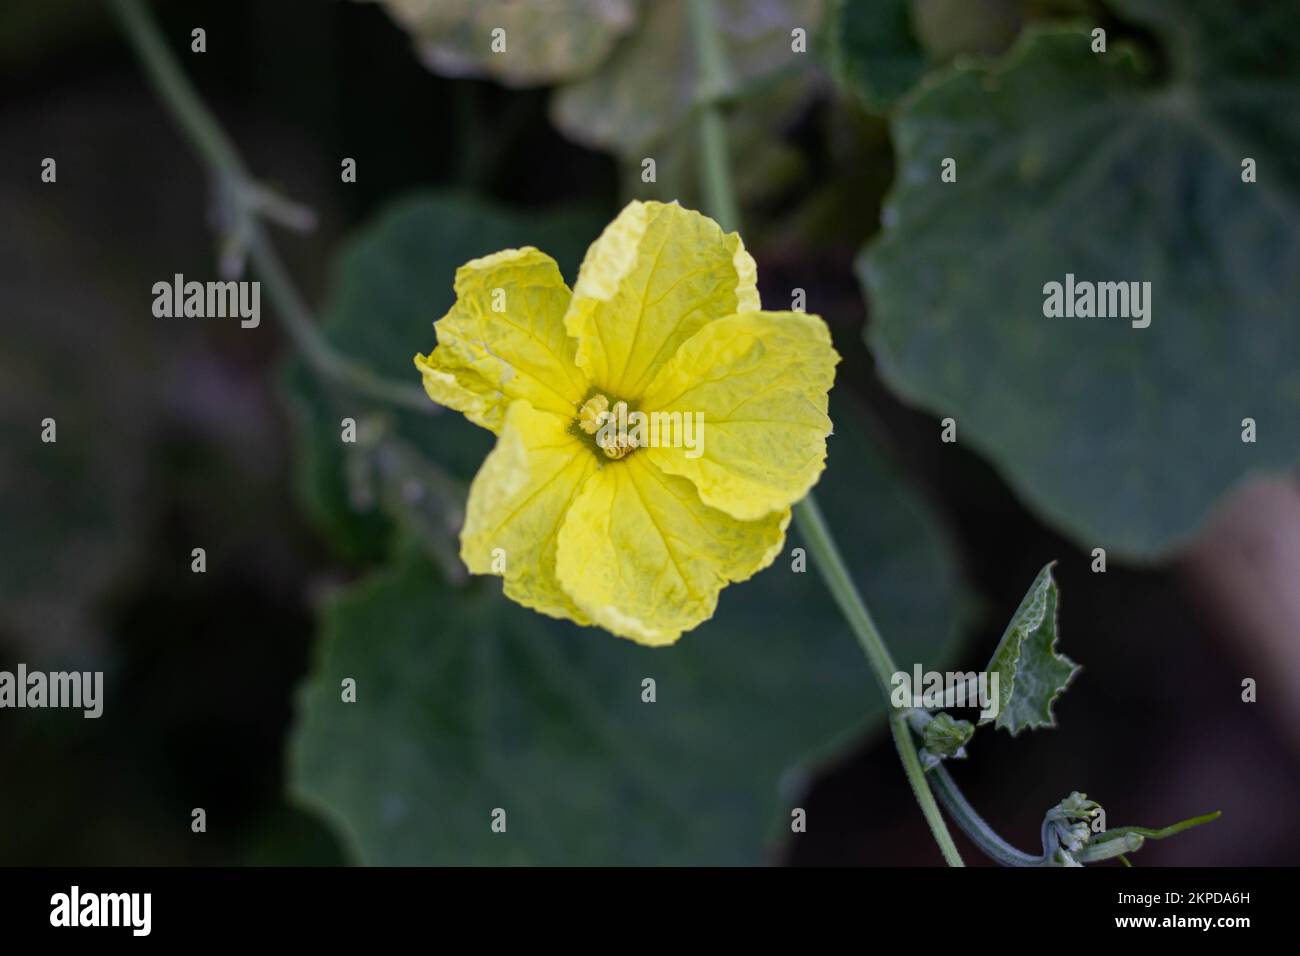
{"points": [[544, 41], [1030, 673], [1113, 169], [880, 50], [467, 703], [391, 281], [874, 52]]}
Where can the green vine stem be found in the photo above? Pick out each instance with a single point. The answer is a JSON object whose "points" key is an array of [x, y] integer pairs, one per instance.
{"points": [[712, 84], [243, 202], [973, 825], [720, 197], [839, 582]]}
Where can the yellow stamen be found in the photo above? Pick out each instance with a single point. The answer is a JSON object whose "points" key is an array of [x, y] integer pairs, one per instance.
{"points": [[596, 417], [592, 414]]}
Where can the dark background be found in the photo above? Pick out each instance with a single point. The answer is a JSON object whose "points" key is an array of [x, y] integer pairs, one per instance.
{"points": [[197, 439]]}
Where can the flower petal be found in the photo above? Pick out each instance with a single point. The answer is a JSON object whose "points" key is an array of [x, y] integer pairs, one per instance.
{"points": [[486, 358], [517, 503], [760, 380], [644, 558], [654, 277]]}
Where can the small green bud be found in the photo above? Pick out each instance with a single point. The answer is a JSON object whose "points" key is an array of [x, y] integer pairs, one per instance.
{"points": [[945, 737]]}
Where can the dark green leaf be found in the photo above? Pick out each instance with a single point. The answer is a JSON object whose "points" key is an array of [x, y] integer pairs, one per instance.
{"points": [[1111, 168], [466, 703], [880, 49], [874, 51]]}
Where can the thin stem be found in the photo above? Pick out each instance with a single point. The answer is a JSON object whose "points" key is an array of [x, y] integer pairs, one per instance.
{"points": [[906, 748], [174, 88], [302, 328], [235, 186], [973, 825], [811, 524], [826, 557], [712, 82], [720, 197]]}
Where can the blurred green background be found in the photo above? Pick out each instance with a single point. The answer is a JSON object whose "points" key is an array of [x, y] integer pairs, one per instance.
{"points": [[326, 562]]}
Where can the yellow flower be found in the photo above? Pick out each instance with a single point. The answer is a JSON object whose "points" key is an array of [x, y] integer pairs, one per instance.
{"points": [[635, 535]]}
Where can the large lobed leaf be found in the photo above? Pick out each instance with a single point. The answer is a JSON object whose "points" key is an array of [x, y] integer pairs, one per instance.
{"points": [[1104, 166], [466, 703]]}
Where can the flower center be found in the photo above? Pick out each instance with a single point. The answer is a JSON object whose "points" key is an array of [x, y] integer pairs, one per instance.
{"points": [[608, 424]]}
